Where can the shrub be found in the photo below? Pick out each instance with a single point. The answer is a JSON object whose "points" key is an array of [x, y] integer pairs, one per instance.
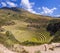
{"points": [[53, 27], [37, 51]]}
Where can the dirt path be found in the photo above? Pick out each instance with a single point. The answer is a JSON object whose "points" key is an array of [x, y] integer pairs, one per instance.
{"points": [[5, 50], [32, 49], [56, 50], [43, 48]]}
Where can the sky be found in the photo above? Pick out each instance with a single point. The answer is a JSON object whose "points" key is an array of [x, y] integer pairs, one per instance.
{"points": [[41, 7]]}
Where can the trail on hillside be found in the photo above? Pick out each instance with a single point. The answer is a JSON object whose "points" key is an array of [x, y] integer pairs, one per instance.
{"points": [[32, 49], [44, 48], [3, 49]]}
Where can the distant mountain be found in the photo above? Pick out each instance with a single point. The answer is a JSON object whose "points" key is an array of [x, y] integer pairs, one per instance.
{"points": [[12, 8]]}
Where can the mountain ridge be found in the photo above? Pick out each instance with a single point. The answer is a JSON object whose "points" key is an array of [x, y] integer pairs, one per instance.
{"points": [[21, 9]]}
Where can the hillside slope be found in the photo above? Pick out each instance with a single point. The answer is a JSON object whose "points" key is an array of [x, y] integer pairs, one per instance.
{"points": [[27, 28]]}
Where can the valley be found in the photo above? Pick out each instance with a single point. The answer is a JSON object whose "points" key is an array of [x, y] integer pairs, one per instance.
{"points": [[24, 28]]}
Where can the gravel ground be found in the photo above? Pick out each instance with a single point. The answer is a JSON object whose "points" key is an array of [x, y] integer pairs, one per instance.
{"points": [[32, 49], [5, 50], [44, 48]]}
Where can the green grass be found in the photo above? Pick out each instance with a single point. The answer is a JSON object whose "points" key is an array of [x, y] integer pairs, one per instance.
{"points": [[22, 33], [8, 39]]}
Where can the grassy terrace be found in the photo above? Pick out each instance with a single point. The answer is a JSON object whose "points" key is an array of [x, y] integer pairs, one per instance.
{"points": [[25, 27]]}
